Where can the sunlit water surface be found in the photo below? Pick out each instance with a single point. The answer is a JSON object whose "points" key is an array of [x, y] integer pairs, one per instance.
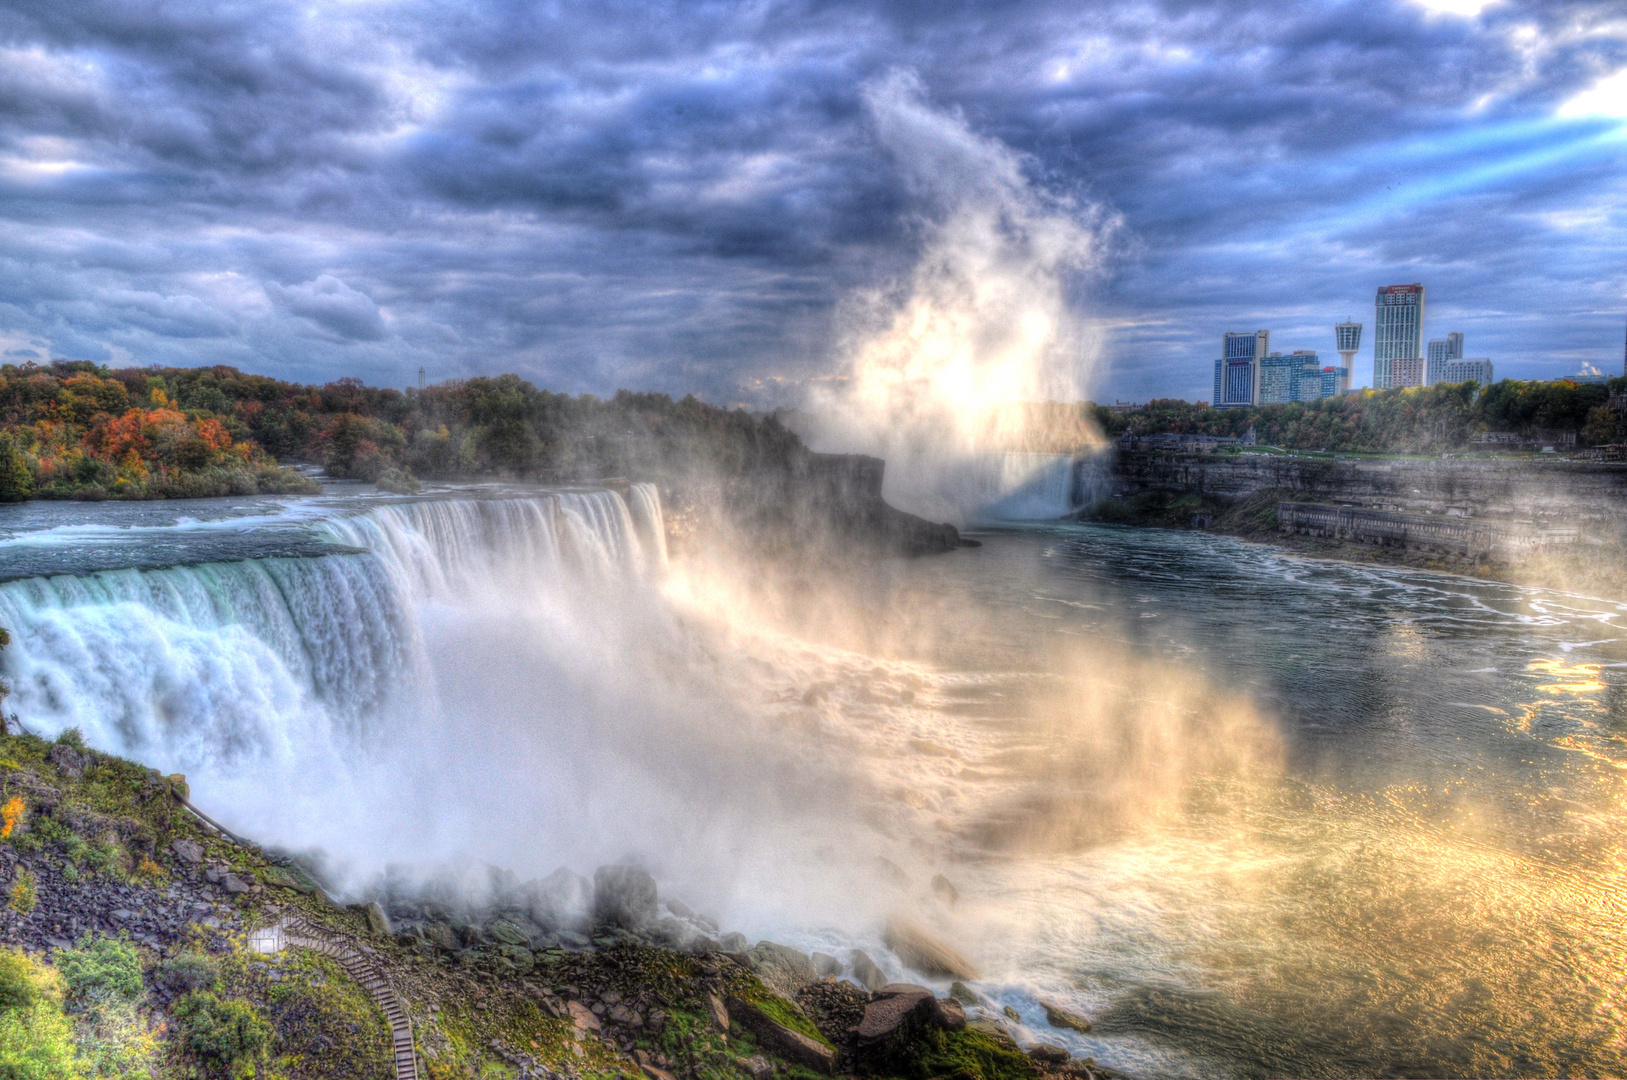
{"points": [[1255, 815]]}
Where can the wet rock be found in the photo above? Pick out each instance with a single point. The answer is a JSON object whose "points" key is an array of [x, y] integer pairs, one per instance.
{"points": [[1049, 1054], [963, 993], [733, 942], [506, 933], [782, 968], [948, 1013], [1062, 1018], [865, 970], [623, 896], [892, 873], [378, 923], [1011, 1014], [68, 761], [836, 1008], [826, 964], [571, 937], [718, 1013], [289, 877], [776, 1038], [583, 1017], [522, 959], [994, 1030], [680, 909], [441, 936], [757, 1067], [233, 884], [944, 890], [191, 852], [896, 1018], [925, 953]]}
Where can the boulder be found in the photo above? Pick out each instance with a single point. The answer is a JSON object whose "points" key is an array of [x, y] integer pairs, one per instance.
{"points": [[944, 890], [896, 1017], [233, 884], [718, 1013], [826, 964], [68, 761], [442, 936], [865, 970], [775, 1037], [757, 1067], [680, 909], [506, 933], [518, 955], [1062, 1018], [994, 1030], [733, 942], [785, 970], [925, 953], [582, 1017], [191, 853], [572, 938], [948, 1013], [623, 896], [1049, 1054], [378, 923], [963, 993]]}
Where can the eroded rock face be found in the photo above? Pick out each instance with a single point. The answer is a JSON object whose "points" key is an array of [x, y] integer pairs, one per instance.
{"points": [[68, 761], [893, 1019], [623, 896], [783, 968]]}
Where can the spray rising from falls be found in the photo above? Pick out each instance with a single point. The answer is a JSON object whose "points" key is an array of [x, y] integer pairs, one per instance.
{"points": [[953, 363]]}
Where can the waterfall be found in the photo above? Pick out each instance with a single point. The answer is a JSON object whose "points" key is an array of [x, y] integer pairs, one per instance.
{"points": [[199, 666]]}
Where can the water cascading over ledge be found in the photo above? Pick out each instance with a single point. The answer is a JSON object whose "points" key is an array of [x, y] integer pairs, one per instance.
{"points": [[235, 660]]}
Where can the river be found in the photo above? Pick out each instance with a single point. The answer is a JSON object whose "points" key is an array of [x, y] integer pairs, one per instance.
{"points": [[1254, 814]]}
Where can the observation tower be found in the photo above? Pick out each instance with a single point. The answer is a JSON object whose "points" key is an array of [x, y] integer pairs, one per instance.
{"points": [[1348, 336]]}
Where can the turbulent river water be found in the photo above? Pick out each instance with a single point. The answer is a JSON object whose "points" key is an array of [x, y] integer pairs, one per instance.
{"points": [[1255, 815]]}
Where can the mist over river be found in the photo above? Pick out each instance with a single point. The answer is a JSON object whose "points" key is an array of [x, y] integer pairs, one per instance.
{"points": [[1254, 814]]}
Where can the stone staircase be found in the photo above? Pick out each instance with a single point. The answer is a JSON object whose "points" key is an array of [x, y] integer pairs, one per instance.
{"points": [[359, 964]]}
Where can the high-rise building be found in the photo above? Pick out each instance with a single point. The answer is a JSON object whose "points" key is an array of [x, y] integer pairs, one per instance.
{"points": [[1334, 381], [1406, 371], [1295, 377], [1398, 334], [1237, 372], [1347, 335], [1442, 350], [1456, 371]]}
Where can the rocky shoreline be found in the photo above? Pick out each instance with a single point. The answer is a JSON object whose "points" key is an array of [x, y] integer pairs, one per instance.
{"points": [[563, 978]]}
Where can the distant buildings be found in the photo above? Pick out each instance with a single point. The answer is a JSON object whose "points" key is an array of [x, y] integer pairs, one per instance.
{"points": [[1398, 335], [1237, 372], [1295, 377], [1456, 371], [1442, 350]]}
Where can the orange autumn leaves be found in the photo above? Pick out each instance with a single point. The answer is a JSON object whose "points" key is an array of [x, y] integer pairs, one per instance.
{"points": [[10, 814]]}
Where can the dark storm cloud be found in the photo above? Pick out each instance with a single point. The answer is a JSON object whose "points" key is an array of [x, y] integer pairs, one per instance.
{"points": [[677, 196]]}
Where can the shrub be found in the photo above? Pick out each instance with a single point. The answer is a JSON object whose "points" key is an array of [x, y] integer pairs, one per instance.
{"points": [[187, 972], [100, 968], [23, 896], [35, 1036], [224, 1033], [72, 737]]}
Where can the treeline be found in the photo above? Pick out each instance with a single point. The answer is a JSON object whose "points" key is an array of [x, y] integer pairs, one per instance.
{"points": [[74, 429], [1420, 420]]}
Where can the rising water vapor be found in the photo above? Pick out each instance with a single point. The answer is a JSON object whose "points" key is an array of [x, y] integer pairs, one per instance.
{"points": [[946, 364]]}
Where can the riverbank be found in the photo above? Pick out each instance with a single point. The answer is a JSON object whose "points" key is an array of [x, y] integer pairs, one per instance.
{"points": [[136, 940]]}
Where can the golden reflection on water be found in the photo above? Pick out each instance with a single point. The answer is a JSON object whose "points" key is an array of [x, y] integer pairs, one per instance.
{"points": [[1580, 678]]}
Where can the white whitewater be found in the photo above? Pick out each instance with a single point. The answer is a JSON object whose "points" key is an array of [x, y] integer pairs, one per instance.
{"points": [[194, 667], [986, 487]]}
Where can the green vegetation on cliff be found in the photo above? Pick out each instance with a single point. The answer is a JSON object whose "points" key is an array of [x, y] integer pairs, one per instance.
{"points": [[1420, 420], [73, 429]]}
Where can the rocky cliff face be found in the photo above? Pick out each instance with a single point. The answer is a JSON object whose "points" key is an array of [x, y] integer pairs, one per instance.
{"points": [[1559, 490]]}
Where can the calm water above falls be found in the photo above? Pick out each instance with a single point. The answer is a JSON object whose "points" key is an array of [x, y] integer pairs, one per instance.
{"points": [[1255, 815]]}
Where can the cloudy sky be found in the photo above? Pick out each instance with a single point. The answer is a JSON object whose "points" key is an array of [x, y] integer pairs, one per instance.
{"points": [[688, 196]]}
